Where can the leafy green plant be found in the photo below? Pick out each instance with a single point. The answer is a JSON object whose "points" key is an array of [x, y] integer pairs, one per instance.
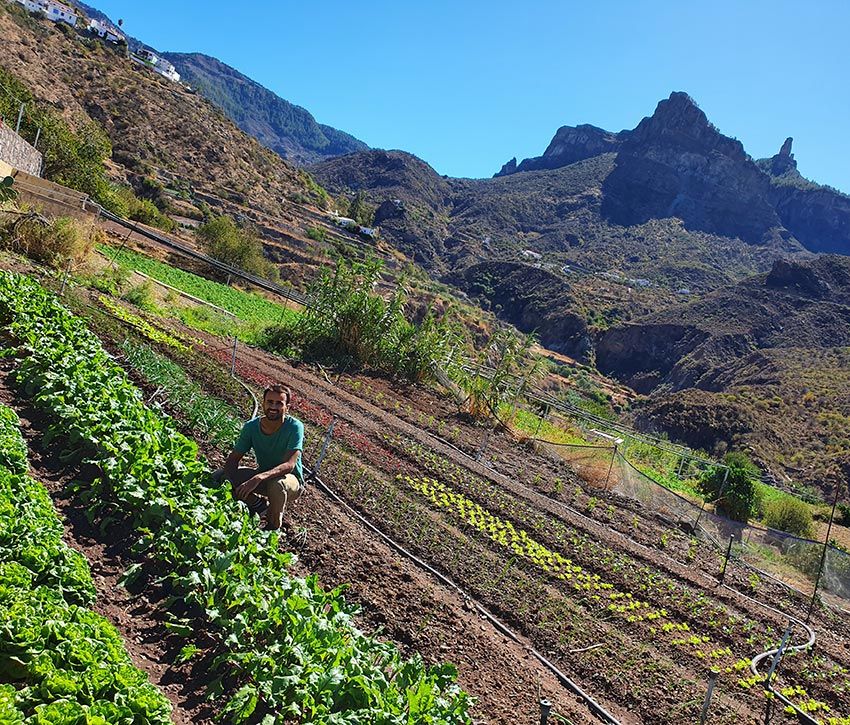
{"points": [[143, 326], [789, 514], [348, 322], [69, 664], [280, 631], [733, 493], [502, 371]]}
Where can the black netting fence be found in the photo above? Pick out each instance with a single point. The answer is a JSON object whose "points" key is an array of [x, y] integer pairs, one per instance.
{"points": [[663, 479]]}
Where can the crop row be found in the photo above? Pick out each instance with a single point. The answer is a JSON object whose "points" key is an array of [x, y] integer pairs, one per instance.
{"points": [[213, 419], [142, 326], [62, 663], [687, 608], [248, 307], [291, 646]]}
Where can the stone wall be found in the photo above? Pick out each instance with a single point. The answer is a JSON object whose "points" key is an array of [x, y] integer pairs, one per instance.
{"points": [[18, 153]]}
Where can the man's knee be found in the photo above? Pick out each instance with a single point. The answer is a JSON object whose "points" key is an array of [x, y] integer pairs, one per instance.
{"points": [[286, 489]]}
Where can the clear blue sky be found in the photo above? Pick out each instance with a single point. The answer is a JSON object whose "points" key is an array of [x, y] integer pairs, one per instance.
{"points": [[467, 85]]}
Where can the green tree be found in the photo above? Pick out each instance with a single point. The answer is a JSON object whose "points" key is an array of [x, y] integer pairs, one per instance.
{"points": [[73, 154], [225, 241], [733, 494], [361, 211]]}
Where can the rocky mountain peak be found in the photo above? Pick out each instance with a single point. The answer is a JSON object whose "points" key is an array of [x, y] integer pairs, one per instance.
{"points": [[679, 123], [570, 144]]}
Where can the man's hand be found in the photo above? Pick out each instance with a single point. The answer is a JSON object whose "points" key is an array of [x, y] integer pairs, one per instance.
{"points": [[244, 490]]}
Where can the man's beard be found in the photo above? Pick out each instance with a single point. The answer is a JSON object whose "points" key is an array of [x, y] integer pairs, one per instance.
{"points": [[273, 414]]}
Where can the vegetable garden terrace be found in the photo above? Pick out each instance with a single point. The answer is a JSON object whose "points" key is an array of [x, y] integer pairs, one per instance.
{"points": [[471, 551]]}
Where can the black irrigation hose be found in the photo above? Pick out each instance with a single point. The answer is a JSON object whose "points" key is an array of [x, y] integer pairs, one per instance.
{"points": [[594, 706]]}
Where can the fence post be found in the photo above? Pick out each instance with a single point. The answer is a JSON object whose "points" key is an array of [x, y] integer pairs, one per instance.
{"points": [[823, 553], [20, 116], [233, 357], [611, 467], [65, 276], [37, 137], [712, 680], [479, 454], [325, 444], [545, 709], [726, 560], [540, 423]]}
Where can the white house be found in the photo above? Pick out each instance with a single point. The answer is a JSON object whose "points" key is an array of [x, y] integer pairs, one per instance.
{"points": [[165, 69], [105, 31], [31, 5], [156, 64], [52, 10]]}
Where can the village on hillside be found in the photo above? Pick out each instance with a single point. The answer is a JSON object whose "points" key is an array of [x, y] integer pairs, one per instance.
{"points": [[61, 13]]}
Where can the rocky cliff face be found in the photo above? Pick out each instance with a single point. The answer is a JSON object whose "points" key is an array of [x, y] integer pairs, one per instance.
{"points": [[532, 299], [816, 215], [570, 144], [797, 304], [677, 164]]}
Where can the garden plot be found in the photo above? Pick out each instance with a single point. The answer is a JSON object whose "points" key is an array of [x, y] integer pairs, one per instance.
{"points": [[701, 605], [363, 430]]}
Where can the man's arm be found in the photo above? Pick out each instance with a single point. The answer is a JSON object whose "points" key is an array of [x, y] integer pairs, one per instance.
{"points": [[232, 464], [288, 466]]}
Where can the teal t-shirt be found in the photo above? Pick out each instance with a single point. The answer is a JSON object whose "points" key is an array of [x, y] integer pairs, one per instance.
{"points": [[271, 450]]}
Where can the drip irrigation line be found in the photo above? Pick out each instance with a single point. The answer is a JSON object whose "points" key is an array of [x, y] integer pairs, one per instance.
{"points": [[574, 445], [251, 393], [594, 706]]}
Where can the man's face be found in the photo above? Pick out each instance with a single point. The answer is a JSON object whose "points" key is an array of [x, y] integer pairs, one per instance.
{"points": [[274, 406]]}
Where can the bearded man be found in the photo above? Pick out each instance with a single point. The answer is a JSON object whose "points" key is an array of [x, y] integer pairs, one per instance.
{"points": [[277, 440]]}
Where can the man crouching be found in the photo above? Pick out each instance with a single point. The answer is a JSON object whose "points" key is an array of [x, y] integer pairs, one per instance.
{"points": [[277, 440]]}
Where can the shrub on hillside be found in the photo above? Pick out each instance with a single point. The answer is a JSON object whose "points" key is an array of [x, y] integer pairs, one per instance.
{"points": [[234, 246], [733, 494], [51, 243], [350, 323], [316, 234], [125, 203], [790, 515]]}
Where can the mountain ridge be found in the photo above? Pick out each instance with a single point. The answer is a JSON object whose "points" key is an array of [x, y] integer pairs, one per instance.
{"points": [[287, 129]]}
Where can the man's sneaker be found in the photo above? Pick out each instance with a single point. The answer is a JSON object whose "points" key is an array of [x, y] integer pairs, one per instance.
{"points": [[258, 506]]}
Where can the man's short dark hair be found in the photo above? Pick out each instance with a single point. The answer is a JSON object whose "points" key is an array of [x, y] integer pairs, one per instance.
{"points": [[279, 388]]}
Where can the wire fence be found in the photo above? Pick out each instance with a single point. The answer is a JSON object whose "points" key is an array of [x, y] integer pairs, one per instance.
{"points": [[795, 561]]}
